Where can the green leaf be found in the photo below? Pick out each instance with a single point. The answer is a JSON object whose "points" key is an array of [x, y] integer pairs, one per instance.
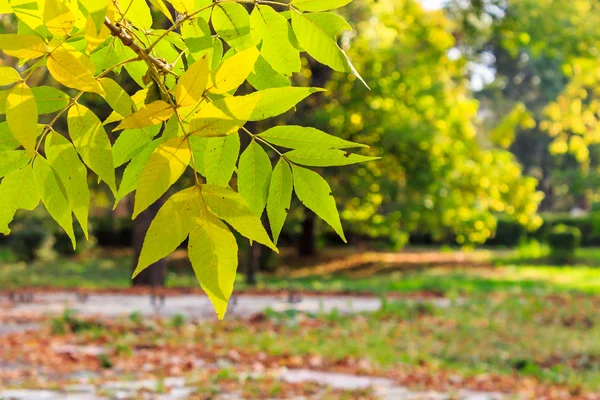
{"points": [[213, 252], [18, 190], [319, 5], [232, 23], [13, 160], [224, 116], [134, 169], [180, 214], [96, 9], [325, 158], [220, 157], [49, 99], [191, 85], [197, 37], [7, 140], [276, 101], [92, 143], [265, 77], [164, 168], [53, 197], [273, 30], [8, 75], [314, 192], [316, 40], [65, 162], [131, 141], [300, 137], [198, 145], [254, 175], [21, 115], [280, 197], [117, 98], [149, 115], [233, 209]]}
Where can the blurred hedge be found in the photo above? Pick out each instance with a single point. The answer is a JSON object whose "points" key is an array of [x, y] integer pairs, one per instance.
{"points": [[509, 232]]}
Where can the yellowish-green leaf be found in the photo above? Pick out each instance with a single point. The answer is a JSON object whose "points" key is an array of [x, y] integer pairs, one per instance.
{"points": [[233, 71], [18, 190], [58, 18], [232, 23], [149, 115], [313, 157], [24, 47], [134, 169], [29, 13], [52, 196], [117, 98], [72, 71], [49, 99], [265, 77], [319, 5], [220, 157], [280, 197], [314, 192], [13, 160], [183, 6], [160, 5], [224, 116], [164, 168], [7, 140], [65, 162], [180, 214], [191, 85], [276, 101], [138, 12], [21, 115], [8, 75], [254, 176], [96, 10], [233, 209], [273, 30], [213, 252], [131, 141], [94, 37], [313, 32], [300, 137], [92, 143]]}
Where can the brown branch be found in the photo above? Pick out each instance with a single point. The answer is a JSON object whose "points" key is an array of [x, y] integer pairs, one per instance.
{"points": [[128, 41]]}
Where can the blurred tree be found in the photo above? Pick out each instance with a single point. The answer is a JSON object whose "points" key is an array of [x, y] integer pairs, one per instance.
{"points": [[438, 174]]}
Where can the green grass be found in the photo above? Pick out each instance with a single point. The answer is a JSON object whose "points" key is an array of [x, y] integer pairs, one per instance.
{"points": [[513, 272]]}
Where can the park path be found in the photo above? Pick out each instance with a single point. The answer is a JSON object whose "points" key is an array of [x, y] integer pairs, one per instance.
{"points": [[198, 307]]}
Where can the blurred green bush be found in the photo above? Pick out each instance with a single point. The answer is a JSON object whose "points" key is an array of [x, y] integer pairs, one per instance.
{"points": [[564, 241]]}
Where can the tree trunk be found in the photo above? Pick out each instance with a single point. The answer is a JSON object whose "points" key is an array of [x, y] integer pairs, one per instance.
{"points": [[156, 274], [253, 263], [307, 243]]}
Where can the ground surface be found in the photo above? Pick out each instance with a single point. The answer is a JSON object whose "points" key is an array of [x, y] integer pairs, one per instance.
{"points": [[427, 325]]}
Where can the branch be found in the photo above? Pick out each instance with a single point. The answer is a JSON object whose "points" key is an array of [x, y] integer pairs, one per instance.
{"points": [[128, 41]]}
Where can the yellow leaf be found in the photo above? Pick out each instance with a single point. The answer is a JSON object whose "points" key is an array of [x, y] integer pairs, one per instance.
{"points": [[71, 71], [166, 165], [183, 6], [233, 71], [22, 115], [94, 37], [213, 252], [92, 143], [192, 83], [180, 214], [138, 12], [5, 8], [151, 114], [8, 75], [58, 18], [25, 47], [223, 117], [160, 5]]}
